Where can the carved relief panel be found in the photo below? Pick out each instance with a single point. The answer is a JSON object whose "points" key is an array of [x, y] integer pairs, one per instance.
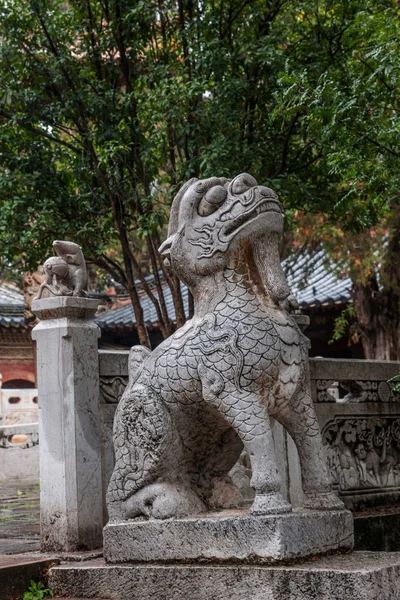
{"points": [[363, 453], [325, 390], [112, 388]]}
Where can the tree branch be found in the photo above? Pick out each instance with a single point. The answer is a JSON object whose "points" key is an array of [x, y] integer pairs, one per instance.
{"points": [[381, 146], [38, 131]]}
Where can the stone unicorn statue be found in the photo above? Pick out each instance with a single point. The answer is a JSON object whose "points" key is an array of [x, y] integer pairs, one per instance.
{"points": [[208, 390]]}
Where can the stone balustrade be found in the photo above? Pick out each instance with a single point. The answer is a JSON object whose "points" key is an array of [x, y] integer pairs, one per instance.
{"points": [[354, 380], [18, 406], [19, 453], [359, 413], [357, 406]]}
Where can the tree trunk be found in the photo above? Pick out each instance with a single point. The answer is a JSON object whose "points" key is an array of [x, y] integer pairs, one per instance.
{"points": [[140, 325], [377, 321], [173, 283], [377, 302]]}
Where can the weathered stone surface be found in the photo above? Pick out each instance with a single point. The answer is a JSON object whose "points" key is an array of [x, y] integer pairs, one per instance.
{"points": [[113, 363], [229, 536], [352, 369], [193, 403], [65, 307], [19, 453], [358, 576], [69, 425]]}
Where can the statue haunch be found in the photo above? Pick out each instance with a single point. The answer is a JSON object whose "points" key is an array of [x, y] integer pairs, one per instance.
{"points": [[192, 403], [65, 274]]}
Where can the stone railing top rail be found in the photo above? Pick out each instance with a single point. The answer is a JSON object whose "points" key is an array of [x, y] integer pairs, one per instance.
{"points": [[340, 369], [19, 391], [7, 430], [113, 363], [24, 436]]}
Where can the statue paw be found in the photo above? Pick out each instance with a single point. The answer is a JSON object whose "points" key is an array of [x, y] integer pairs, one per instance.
{"points": [[164, 501], [323, 501], [270, 504]]}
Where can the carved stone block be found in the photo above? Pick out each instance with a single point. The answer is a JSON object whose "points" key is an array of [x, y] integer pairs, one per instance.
{"points": [[65, 274], [229, 535], [364, 452], [209, 390]]}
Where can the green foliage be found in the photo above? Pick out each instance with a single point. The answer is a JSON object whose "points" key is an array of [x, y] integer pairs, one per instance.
{"points": [[102, 102], [106, 108], [348, 94], [37, 591], [396, 381], [343, 323]]}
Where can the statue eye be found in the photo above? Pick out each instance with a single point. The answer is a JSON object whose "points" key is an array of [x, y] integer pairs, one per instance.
{"points": [[242, 183], [212, 200]]}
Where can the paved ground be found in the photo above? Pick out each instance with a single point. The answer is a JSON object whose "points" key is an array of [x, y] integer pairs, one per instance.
{"points": [[19, 518], [19, 534]]}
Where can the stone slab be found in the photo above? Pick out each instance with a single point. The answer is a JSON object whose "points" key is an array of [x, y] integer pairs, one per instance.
{"points": [[230, 535], [65, 306], [113, 363], [17, 571], [356, 576], [353, 369], [18, 545]]}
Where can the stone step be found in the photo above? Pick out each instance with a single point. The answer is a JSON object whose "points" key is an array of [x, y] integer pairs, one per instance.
{"points": [[355, 576], [18, 545], [17, 571], [379, 531]]}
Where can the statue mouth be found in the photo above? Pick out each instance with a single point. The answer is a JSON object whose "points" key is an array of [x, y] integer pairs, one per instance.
{"points": [[264, 206]]}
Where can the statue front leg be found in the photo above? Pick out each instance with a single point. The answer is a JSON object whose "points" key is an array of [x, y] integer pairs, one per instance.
{"points": [[247, 416]]}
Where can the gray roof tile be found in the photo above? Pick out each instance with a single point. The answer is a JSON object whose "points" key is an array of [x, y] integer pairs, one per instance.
{"points": [[11, 307], [312, 281]]}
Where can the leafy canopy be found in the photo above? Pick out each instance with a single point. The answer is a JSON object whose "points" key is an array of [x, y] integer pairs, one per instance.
{"points": [[107, 106]]}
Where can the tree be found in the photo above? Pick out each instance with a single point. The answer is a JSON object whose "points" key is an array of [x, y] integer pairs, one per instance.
{"points": [[353, 110], [107, 108]]}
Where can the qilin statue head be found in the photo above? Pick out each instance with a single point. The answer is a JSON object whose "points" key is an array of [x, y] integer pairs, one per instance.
{"points": [[218, 222]]}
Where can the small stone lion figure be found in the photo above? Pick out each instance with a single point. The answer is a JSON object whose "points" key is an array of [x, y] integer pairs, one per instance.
{"points": [[65, 274], [208, 390]]}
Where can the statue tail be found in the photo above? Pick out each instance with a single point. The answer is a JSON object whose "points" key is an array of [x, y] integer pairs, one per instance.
{"points": [[142, 427]]}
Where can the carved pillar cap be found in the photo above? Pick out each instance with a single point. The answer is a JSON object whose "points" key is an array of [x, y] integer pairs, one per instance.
{"points": [[302, 321], [59, 307]]}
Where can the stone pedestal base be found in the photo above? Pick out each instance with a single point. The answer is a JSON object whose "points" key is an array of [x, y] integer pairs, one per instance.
{"points": [[356, 576], [230, 536]]}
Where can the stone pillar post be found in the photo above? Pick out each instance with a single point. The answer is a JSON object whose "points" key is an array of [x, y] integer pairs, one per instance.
{"points": [[71, 514]]}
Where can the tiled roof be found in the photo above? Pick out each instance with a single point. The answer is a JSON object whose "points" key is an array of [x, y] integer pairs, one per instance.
{"points": [[124, 317], [312, 281], [11, 307]]}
